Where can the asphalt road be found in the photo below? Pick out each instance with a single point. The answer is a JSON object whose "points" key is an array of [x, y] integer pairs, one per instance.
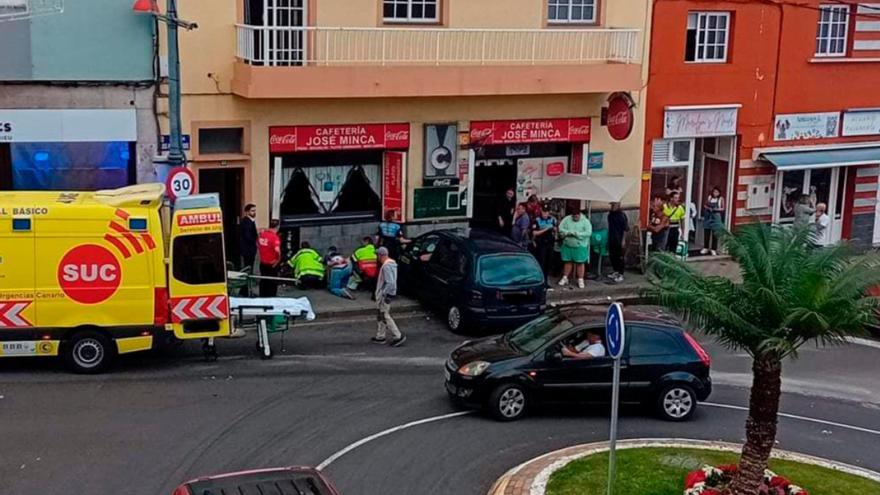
{"points": [[159, 420]]}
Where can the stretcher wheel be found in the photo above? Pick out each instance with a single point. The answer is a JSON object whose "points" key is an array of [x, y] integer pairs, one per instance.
{"points": [[209, 352]]}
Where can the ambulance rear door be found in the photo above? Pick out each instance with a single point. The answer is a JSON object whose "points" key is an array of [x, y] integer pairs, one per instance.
{"points": [[197, 269]]}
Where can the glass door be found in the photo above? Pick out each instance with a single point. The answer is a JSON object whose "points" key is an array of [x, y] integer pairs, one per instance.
{"points": [[820, 185]]}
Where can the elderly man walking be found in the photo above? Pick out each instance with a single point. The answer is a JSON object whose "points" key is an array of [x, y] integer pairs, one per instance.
{"points": [[386, 290]]}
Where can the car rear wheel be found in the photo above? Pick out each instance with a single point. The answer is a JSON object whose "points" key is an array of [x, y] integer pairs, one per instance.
{"points": [[508, 402], [88, 352], [455, 319], [677, 402]]}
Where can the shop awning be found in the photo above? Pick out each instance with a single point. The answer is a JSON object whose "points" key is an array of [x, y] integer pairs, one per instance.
{"points": [[607, 188], [835, 157]]}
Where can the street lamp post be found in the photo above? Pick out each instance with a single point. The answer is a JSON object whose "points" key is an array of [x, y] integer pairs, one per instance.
{"points": [[176, 157]]}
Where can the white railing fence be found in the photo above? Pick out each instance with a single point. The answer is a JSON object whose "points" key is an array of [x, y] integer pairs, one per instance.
{"points": [[293, 46]]}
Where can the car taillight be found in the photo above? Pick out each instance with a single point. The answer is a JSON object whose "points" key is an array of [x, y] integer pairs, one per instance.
{"points": [[476, 298], [701, 353], [160, 305], [182, 490]]}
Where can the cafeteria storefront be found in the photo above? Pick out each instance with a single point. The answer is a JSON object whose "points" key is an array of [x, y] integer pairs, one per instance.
{"points": [[522, 154]]}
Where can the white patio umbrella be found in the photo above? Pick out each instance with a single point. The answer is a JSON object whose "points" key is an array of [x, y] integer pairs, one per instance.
{"points": [[605, 188]]}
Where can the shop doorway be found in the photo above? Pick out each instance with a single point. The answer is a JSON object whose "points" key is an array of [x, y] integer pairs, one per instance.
{"points": [[492, 177], [228, 183], [694, 167], [522, 167], [822, 185]]}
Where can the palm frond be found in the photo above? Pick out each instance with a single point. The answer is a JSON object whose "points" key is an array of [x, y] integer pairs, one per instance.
{"points": [[791, 294]]}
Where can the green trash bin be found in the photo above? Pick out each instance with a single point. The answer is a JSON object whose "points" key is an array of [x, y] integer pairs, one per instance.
{"points": [[599, 245]]}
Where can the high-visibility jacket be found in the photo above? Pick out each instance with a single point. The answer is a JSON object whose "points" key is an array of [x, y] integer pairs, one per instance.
{"points": [[367, 261], [307, 262]]}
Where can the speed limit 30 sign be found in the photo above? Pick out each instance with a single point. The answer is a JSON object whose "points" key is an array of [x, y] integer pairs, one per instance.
{"points": [[181, 182]]}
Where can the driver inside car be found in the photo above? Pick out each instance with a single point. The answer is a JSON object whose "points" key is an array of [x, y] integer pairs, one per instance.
{"points": [[590, 347]]}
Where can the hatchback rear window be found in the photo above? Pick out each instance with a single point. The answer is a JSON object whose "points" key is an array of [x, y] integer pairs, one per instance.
{"points": [[509, 269], [647, 342]]}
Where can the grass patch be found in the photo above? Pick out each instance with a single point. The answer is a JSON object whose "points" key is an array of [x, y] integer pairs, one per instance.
{"points": [[661, 471]]}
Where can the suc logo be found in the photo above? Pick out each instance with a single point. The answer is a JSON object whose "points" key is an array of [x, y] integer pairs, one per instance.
{"points": [[89, 274]]}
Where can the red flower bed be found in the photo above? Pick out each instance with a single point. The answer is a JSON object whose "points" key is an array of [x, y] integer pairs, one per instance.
{"points": [[714, 480]]}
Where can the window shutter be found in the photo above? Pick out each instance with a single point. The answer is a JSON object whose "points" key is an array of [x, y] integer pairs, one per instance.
{"points": [[660, 149]]}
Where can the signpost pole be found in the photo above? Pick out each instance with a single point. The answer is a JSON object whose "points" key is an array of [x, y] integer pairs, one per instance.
{"points": [[615, 338], [612, 464]]}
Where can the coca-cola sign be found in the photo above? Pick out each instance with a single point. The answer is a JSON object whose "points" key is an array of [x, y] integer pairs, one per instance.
{"points": [[493, 132], [620, 118], [291, 139]]}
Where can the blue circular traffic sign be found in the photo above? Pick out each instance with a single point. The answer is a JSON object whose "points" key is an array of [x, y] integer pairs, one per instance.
{"points": [[615, 335]]}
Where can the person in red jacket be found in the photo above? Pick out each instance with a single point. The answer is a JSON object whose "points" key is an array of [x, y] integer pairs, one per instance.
{"points": [[269, 247]]}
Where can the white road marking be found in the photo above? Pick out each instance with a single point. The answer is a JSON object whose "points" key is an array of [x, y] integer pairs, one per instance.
{"points": [[864, 342], [799, 418], [383, 433]]}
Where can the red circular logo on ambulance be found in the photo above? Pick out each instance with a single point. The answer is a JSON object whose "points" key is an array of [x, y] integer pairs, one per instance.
{"points": [[89, 274]]}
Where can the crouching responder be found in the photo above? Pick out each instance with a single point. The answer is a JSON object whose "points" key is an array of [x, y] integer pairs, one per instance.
{"points": [[365, 264], [338, 273], [308, 267]]}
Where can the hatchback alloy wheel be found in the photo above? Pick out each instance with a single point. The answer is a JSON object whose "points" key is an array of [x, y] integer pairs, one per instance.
{"points": [[508, 402], [677, 403]]}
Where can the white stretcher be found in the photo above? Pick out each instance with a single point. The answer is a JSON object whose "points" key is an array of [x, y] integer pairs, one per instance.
{"points": [[265, 307]]}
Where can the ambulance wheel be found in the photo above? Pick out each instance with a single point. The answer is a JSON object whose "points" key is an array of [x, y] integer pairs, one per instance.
{"points": [[88, 352]]}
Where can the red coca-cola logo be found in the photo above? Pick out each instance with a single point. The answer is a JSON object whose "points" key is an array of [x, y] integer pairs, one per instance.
{"points": [[89, 274], [580, 130], [282, 139], [619, 118], [478, 134], [402, 135], [555, 169]]}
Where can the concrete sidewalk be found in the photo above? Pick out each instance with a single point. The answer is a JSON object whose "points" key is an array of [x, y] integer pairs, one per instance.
{"points": [[326, 305]]}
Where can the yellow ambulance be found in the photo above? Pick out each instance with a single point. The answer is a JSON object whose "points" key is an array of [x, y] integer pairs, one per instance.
{"points": [[91, 275]]}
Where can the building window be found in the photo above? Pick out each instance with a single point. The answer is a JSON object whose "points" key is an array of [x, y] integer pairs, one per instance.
{"points": [[832, 30], [221, 140], [707, 37], [411, 11], [571, 11]]}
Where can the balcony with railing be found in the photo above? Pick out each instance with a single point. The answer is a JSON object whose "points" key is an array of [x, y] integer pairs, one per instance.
{"points": [[308, 62]]}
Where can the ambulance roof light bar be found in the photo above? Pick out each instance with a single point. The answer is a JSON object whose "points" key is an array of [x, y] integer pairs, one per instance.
{"points": [[197, 201]]}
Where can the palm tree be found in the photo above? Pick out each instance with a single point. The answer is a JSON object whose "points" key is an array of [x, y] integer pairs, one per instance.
{"points": [[791, 294]]}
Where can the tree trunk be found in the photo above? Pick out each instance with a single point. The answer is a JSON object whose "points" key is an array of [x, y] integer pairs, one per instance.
{"points": [[760, 426]]}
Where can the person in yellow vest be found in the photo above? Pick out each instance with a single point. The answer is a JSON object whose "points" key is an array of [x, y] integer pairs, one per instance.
{"points": [[308, 267], [365, 262], [676, 213]]}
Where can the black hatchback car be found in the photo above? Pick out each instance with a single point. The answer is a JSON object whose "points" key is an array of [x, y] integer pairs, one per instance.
{"points": [[476, 278], [662, 367]]}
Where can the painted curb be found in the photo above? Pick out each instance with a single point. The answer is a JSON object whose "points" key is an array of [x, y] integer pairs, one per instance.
{"points": [[538, 485]]}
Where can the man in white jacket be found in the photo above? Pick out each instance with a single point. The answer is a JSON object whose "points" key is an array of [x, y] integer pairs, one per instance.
{"points": [[386, 290]]}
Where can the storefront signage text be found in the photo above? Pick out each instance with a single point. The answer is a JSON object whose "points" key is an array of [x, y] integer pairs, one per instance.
{"points": [[700, 122], [861, 123], [291, 139], [794, 126], [67, 126], [392, 185], [494, 132]]}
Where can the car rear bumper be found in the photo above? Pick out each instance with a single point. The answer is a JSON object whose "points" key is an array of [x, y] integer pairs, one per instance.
{"points": [[705, 390], [505, 316]]}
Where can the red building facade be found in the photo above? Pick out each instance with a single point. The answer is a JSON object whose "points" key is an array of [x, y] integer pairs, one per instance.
{"points": [[767, 101]]}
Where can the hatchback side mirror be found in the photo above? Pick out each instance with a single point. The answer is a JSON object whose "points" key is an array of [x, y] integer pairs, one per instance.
{"points": [[553, 355]]}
